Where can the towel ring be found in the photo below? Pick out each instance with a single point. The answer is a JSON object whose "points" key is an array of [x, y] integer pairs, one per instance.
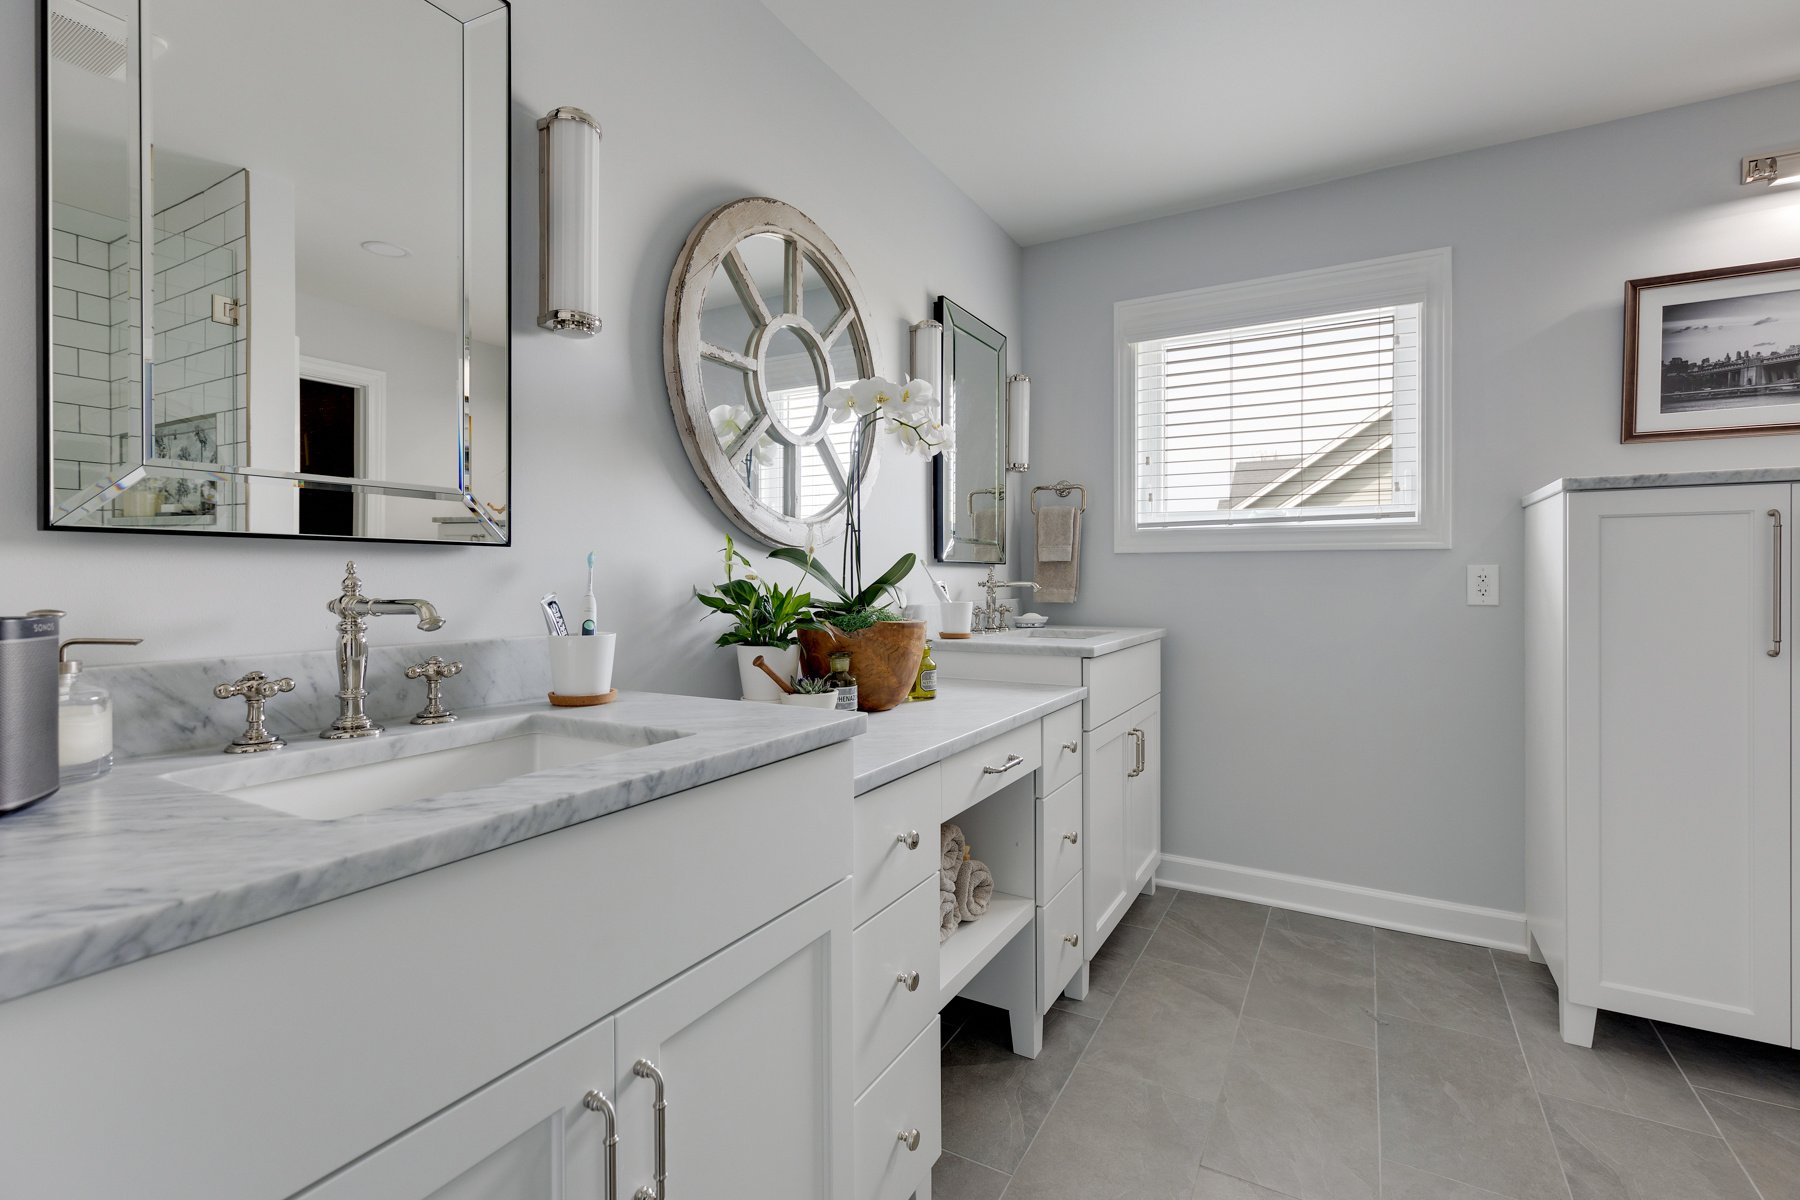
{"points": [[1061, 487]]}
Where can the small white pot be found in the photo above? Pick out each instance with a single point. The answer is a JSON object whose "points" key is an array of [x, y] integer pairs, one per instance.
{"points": [[783, 660], [825, 700]]}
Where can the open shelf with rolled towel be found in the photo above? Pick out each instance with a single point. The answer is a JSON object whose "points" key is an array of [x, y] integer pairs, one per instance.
{"points": [[975, 944]]}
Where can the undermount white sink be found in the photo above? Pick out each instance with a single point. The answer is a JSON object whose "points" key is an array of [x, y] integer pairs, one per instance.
{"points": [[323, 788], [1069, 634]]}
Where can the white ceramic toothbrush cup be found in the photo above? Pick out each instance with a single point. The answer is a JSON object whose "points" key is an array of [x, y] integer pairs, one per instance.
{"points": [[582, 666], [956, 616]]}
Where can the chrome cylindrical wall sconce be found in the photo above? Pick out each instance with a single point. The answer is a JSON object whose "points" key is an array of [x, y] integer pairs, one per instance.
{"points": [[928, 355], [1018, 422], [569, 221]]}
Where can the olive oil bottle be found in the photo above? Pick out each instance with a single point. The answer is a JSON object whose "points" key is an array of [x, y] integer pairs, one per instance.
{"points": [[843, 682], [925, 688]]}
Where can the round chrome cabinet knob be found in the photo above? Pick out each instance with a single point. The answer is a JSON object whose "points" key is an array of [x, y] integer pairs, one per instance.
{"points": [[909, 1138], [910, 979], [909, 839]]}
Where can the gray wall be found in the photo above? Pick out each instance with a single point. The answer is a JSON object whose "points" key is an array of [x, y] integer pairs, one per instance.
{"points": [[596, 461], [1342, 715]]}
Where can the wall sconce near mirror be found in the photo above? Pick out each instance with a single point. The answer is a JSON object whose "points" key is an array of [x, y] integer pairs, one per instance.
{"points": [[1773, 169], [569, 221], [928, 354], [1018, 422]]}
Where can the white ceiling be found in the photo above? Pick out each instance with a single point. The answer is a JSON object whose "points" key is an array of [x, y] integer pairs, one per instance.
{"points": [[1060, 117]]}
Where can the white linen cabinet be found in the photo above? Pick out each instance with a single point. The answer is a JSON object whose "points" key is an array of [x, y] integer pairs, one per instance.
{"points": [[1660, 741]]}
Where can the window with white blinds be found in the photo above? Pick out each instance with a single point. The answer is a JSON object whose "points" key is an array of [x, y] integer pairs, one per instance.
{"points": [[1319, 427]]}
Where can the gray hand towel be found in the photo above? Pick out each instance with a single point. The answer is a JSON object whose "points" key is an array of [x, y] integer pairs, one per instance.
{"points": [[1058, 553], [948, 919], [951, 843], [974, 889]]}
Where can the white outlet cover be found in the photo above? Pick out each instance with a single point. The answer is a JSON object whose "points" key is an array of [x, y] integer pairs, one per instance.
{"points": [[1484, 584]]}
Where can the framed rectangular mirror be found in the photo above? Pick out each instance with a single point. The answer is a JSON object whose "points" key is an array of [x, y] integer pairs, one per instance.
{"points": [[275, 262], [971, 474]]}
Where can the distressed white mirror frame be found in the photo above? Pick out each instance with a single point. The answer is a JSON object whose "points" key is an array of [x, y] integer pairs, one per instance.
{"points": [[711, 258]]}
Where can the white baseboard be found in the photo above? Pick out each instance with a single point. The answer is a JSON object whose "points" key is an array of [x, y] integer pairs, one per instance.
{"points": [[1387, 910]]}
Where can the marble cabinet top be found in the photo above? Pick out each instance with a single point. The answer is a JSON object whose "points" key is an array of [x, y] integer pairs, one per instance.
{"points": [[104, 873], [1662, 479], [966, 713]]}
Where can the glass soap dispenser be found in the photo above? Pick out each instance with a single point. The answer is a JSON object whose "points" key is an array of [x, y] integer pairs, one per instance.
{"points": [[84, 718]]}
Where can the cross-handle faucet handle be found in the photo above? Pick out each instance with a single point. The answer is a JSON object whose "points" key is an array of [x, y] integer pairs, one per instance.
{"points": [[255, 688], [434, 671]]}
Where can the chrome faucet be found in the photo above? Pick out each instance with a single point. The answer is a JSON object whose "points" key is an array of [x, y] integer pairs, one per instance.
{"points": [[352, 609], [991, 617]]}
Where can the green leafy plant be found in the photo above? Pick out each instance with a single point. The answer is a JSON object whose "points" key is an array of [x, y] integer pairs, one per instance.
{"points": [[813, 687], [766, 614], [850, 612]]}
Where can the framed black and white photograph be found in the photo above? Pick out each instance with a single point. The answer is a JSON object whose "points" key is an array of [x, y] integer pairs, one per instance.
{"points": [[1713, 353]]}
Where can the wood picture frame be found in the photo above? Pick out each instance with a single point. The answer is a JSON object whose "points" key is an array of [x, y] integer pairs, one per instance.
{"points": [[1712, 354]]}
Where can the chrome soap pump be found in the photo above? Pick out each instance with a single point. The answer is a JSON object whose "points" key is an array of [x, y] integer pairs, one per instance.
{"points": [[84, 725]]}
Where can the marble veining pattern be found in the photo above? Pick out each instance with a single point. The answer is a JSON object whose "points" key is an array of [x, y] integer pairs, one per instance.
{"points": [[1658, 479], [1049, 642], [159, 707], [109, 872], [966, 713]]}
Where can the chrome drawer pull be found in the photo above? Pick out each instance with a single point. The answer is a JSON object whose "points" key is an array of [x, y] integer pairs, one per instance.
{"points": [[1012, 760], [1138, 769], [1074, 939], [596, 1101], [909, 839], [1071, 747], [909, 1138], [1073, 839], [910, 979], [643, 1068], [1775, 650]]}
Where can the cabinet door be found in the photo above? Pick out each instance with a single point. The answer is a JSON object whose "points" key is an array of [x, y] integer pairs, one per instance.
{"points": [[1680, 718], [1143, 794], [529, 1135], [1108, 890], [753, 1050]]}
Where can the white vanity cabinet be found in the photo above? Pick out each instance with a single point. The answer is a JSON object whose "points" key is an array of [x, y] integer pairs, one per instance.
{"points": [[1113, 741], [1661, 726], [436, 1036]]}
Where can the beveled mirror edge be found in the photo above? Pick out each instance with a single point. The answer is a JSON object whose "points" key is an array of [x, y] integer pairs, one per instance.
{"points": [[46, 504], [702, 253], [950, 317]]}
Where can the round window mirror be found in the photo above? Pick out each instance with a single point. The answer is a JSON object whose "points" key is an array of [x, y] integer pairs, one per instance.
{"points": [[763, 319]]}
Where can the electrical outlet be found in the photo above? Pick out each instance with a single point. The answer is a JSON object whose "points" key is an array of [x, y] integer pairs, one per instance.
{"points": [[1484, 584]]}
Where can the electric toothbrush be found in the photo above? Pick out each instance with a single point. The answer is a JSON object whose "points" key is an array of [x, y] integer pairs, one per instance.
{"points": [[590, 608]]}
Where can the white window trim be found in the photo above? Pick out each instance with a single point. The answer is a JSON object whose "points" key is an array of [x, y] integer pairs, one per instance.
{"points": [[1422, 278]]}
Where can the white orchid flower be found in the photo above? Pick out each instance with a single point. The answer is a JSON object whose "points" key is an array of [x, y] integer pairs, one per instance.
{"points": [[840, 402], [916, 394], [731, 421]]}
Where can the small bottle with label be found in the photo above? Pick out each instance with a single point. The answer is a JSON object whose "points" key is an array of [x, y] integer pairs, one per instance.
{"points": [[843, 681], [926, 686]]}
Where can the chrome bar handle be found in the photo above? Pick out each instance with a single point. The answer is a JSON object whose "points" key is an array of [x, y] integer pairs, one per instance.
{"points": [[596, 1101], [1137, 767], [1775, 650], [643, 1068], [1012, 761]]}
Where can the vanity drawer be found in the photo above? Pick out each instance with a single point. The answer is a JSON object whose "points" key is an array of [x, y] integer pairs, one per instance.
{"points": [[1119, 682], [1058, 840], [885, 866], [885, 1013], [1062, 730], [907, 1097], [980, 771], [1058, 958]]}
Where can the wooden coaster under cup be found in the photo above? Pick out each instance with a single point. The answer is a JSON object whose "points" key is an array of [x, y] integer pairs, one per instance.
{"points": [[583, 701], [956, 637]]}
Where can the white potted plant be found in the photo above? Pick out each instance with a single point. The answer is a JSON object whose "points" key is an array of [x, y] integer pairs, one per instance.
{"points": [[812, 692], [766, 617]]}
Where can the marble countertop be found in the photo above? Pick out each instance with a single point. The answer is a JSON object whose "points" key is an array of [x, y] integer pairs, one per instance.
{"points": [[1052, 641], [1661, 479], [966, 713], [133, 864]]}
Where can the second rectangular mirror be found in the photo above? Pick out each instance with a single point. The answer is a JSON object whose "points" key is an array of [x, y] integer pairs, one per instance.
{"points": [[971, 474]]}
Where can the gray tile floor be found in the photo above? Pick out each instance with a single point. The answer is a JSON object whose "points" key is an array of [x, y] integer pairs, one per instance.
{"points": [[1228, 1051]]}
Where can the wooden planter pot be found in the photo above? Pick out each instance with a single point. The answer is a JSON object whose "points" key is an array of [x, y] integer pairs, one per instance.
{"points": [[884, 658]]}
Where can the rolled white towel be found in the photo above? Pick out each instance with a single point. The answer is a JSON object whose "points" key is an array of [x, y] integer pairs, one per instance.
{"points": [[974, 889], [948, 920], [951, 844]]}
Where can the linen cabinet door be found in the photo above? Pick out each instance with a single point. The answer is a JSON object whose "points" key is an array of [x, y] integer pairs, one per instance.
{"points": [[1107, 888], [750, 1053], [1143, 795], [537, 1133], [1680, 702]]}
